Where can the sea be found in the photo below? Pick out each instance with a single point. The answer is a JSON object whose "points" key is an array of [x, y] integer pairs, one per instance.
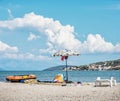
{"points": [[75, 76]]}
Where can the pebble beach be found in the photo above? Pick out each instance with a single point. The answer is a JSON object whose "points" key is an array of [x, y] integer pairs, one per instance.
{"points": [[48, 92]]}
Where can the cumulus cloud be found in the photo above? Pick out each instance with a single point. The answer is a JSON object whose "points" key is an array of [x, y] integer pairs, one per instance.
{"points": [[33, 37], [6, 48], [95, 43], [117, 47], [7, 51], [58, 36]]}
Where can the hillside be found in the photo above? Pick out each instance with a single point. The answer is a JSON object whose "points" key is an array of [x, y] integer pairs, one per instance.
{"points": [[104, 65], [61, 67]]}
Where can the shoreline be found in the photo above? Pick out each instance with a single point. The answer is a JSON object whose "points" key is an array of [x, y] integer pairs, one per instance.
{"points": [[41, 92]]}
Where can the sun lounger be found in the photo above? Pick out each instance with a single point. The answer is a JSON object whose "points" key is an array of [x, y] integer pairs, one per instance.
{"points": [[105, 82]]}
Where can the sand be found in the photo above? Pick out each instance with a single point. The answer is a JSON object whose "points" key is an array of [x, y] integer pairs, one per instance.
{"points": [[71, 92]]}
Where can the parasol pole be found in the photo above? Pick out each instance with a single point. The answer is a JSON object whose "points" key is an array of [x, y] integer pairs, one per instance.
{"points": [[66, 71], [64, 55]]}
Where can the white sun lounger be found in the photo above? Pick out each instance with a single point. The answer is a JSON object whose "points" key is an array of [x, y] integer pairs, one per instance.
{"points": [[105, 82]]}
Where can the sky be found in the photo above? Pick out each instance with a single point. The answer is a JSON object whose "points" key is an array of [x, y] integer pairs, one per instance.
{"points": [[31, 31]]}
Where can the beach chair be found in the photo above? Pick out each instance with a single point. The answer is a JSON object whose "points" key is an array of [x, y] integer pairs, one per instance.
{"points": [[98, 82], [113, 81], [59, 78], [105, 82]]}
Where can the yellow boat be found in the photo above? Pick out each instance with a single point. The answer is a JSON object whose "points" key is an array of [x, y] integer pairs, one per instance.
{"points": [[18, 78]]}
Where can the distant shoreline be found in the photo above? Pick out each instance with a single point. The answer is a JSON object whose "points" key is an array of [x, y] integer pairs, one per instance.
{"points": [[104, 65], [52, 70]]}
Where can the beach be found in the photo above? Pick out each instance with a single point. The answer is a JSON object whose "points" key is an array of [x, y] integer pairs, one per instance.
{"points": [[49, 92]]}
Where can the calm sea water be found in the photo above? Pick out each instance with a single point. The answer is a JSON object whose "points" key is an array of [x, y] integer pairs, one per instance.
{"points": [[83, 76]]}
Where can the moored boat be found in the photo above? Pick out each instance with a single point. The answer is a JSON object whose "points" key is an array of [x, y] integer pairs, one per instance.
{"points": [[18, 78]]}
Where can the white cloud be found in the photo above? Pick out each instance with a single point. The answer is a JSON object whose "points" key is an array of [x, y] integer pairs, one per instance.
{"points": [[10, 52], [26, 56], [10, 14], [58, 36], [95, 43], [117, 47], [33, 37], [6, 48]]}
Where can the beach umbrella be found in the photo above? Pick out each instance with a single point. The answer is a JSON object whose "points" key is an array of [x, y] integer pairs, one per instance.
{"points": [[64, 54]]}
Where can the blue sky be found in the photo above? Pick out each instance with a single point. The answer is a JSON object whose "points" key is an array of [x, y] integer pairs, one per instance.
{"points": [[31, 31]]}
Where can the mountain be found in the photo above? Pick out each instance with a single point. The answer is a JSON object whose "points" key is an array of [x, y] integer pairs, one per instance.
{"points": [[103, 65], [60, 67]]}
